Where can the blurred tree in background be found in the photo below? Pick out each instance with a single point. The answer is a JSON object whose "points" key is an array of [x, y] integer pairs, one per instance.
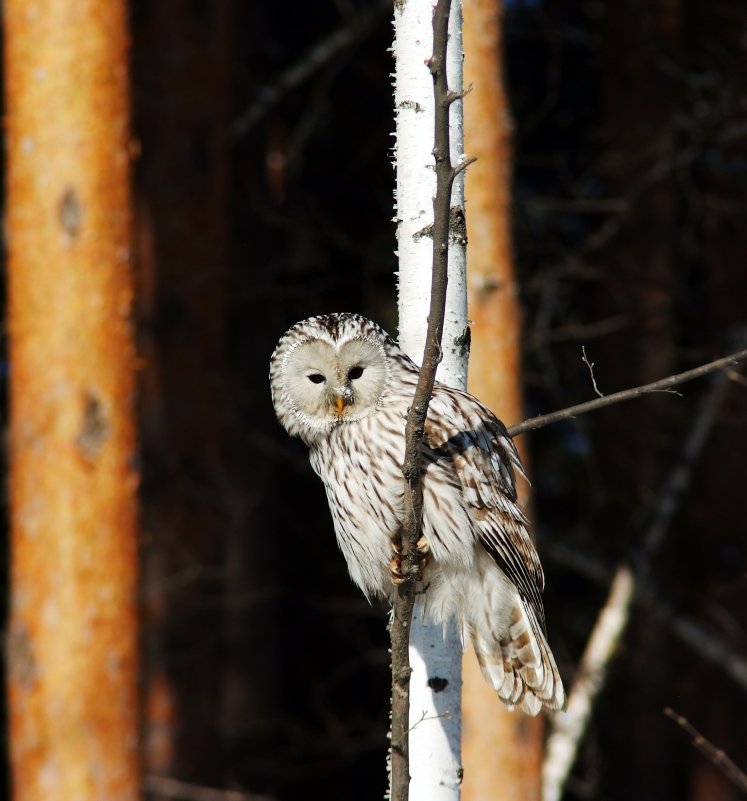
{"points": [[500, 749], [72, 635], [262, 194]]}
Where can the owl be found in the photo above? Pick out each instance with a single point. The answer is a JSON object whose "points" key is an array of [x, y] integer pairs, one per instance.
{"points": [[343, 385]]}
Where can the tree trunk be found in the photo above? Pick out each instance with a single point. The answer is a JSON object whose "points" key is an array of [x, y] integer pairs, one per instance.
{"points": [[502, 750], [435, 714], [73, 633], [181, 115], [639, 269]]}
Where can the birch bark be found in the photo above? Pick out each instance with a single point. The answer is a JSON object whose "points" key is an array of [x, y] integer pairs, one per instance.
{"points": [[435, 653]]}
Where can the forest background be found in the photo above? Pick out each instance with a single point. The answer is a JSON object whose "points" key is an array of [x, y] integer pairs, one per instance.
{"points": [[262, 194]]}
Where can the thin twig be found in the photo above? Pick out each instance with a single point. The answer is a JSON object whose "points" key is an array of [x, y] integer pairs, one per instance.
{"points": [[322, 53], [590, 365], [713, 754], [569, 727], [661, 385], [404, 603]]}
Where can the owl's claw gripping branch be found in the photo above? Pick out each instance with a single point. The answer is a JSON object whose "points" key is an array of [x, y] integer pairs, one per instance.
{"points": [[395, 563], [395, 571]]}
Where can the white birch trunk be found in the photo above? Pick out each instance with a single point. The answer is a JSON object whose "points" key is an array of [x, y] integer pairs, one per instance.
{"points": [[435, 654]]}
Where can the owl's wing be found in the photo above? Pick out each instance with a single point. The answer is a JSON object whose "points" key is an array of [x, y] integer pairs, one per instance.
{"points": [[464, 435]]}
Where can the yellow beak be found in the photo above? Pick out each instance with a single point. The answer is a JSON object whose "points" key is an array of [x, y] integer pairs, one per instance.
{"points": [[339, 403]]}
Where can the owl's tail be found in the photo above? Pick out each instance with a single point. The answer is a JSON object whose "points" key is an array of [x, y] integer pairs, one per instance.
{"points": [[513, 653]]}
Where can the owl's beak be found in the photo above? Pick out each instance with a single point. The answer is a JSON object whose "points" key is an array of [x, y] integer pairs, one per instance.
{"points": [[342, 399]]}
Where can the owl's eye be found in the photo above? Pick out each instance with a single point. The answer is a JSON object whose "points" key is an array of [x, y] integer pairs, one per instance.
{"points": [[316, 378], [355, 372]]}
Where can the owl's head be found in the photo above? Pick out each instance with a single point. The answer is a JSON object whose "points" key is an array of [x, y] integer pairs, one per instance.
{"points": [[327, 371]]}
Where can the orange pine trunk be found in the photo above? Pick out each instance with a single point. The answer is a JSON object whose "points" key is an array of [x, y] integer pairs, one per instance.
{"points": [[502, 751], [73, 632]]}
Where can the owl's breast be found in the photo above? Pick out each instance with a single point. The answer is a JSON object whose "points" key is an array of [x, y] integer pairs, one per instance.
{"points": [[360, 465]]}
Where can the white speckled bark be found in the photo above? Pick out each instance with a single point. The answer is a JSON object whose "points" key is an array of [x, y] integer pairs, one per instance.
{"points": [[435, 655]]}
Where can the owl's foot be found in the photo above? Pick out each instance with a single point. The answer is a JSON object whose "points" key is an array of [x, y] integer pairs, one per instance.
{"points": [[395, 563], [395, 570], [423, 547]]}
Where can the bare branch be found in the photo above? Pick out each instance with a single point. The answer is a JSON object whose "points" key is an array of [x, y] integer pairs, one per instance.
{"points": [[661, 385], [462, 166], [321, 54], [679, 478], [706, 644], [569, 727], [714, 755], [403, 607]]}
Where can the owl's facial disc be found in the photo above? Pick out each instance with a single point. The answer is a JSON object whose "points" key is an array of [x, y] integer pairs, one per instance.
{"points": [[328, 383]]}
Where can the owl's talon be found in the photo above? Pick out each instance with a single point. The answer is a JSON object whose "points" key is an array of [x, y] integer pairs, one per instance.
{"points": [[395, 570], [423, 546], [395, 565]]}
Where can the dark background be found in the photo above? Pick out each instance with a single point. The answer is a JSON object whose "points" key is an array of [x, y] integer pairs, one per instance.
{"points": [[629, 220]]}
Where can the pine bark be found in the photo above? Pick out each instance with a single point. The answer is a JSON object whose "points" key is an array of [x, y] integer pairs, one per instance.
{"points": [[72, 650], [502, 751]]}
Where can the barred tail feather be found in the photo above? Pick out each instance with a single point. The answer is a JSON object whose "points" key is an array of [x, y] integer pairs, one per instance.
{"points": [[514, 655]]}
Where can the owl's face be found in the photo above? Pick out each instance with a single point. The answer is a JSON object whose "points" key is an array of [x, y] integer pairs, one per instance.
{"points": [[327, 371]]}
